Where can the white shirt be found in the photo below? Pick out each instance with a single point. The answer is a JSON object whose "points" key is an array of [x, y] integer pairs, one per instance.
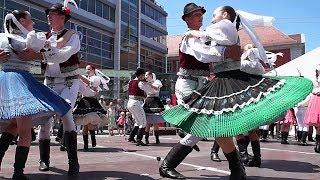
{"points": [[145, 86], [155, 92], [56, 56]]}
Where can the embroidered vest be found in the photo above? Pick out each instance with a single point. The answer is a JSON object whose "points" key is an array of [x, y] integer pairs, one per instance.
{"points": [[69, 67], [134, 89], [190, 66]]}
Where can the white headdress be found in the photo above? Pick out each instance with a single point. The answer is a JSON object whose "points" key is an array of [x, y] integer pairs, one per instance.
{"points": [[154, 77], [248, 20], [18, 24]]}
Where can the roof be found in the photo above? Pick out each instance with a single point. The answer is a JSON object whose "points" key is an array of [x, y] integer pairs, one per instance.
{"points": [[269, 36]]}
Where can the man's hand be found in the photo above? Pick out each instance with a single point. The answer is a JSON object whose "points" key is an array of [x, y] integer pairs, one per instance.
{"points": [[4, 55], [233, 52], [29, 55]]}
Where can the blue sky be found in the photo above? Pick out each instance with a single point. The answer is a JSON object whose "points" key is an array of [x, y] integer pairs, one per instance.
{"points": [[291, 16]]}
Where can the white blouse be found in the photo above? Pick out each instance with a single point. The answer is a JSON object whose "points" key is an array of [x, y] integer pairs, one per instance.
{"points": [[155, 92], [13, 61]]}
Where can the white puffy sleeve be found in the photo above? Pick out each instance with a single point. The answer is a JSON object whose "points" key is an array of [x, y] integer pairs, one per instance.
{"points": [[223, 33], [157, 83], [36, 41]]}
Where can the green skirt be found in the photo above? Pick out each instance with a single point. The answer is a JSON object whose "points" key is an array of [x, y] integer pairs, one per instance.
{"points": [[235, 103]]}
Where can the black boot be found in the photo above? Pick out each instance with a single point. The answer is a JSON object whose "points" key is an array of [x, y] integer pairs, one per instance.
{"points": [[299, 136], [44, 148], [146, 137], [133, 134], [5, 140], [264, 137], [176, 155], [284, 138], [85, 142], [71, 145], [14, 141], [156, 134], [93, 138], [310, 138], [214, 152], [20, 162], [256, 160], [243, 152], [182, 134], [140, 136], [60, 133], [317, 147], [236, 167], [304, 138], [33, 135]]}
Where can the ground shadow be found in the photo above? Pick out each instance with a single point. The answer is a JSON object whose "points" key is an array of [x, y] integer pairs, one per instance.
{"points": [[98, 150], [92, 175], [290, 166]]}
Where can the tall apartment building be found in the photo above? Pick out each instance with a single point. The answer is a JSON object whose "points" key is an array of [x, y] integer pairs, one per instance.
{"points": [[117, 36]]}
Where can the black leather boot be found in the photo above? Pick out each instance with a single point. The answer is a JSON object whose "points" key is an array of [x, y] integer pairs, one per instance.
{"points": [[264, 137], [284, 138], [33, 135], [317, 147], [44, 149], [243, 152], [60, 133], [146, 137], [133, 134], [176, 155], [156, 134], [85, 142], [299, 136], [304, 136], [256, 160], [20, 162], [236, 167], [140, 136], [182, 134], [5, 140], [214, 152], [93, 138], [71, 145]]}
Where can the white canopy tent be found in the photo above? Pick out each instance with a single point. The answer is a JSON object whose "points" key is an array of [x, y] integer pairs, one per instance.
{"points": [[304, 65]]}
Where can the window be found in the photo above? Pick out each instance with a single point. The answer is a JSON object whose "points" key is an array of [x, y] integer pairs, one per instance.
{"points": [[124, 6], [106, 13], [11, 5], [36, 14], [84, 4], [99, 6], [92, 6], [112, 14], [124, 17]]}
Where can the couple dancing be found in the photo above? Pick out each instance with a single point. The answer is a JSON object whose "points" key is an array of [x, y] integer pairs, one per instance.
{"points": [[24, 102], [234, 102]]}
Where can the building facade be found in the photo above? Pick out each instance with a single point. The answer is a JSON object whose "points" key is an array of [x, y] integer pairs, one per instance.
{"points": [[117, 36]]}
